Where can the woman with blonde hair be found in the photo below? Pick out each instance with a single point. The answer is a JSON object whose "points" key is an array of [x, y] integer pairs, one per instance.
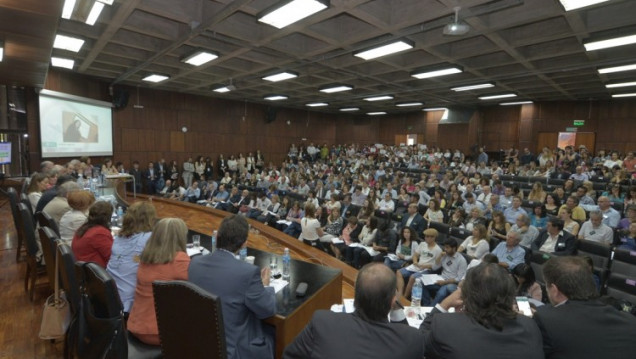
{"points": [[537, 194], [79, 201], [127, 248], [476, 246], [163, 258]]}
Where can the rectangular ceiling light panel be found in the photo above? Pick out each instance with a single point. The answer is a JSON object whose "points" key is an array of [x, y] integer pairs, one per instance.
{"points": [[570, 5], [291, 12], [384, 50]]}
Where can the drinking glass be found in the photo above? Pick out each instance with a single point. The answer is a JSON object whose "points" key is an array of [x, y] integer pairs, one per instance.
{"points": [[196, 241]]}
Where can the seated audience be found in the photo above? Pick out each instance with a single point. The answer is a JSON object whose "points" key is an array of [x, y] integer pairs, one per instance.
{"points": [[38, 184], [527, 285], [527, 232], [163, 258], [369, 334], [509, 253], [243, 289], [79, 201], [127, 248], [484, 324], [594, 229], [453, 267], [555, 240], [577, 325], [406, 246], [476, 246], [93, 241]]}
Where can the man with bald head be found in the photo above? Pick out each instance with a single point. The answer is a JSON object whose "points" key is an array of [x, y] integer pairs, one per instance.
{"points": [[363, 333], [611, 217]]}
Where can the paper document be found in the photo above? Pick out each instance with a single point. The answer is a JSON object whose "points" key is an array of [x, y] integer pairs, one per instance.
{"points": [[193, 251], [278, 284], [282, 221], [336, 240], [392, 257], [348, 305], [413, 268], [428, 279]]}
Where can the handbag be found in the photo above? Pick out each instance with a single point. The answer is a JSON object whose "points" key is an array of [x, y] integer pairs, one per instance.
{"points": [[57, 313]]}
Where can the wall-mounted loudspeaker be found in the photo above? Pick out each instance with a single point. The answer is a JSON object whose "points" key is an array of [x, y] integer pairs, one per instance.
{"points": [[270, 114], [120, 98]]}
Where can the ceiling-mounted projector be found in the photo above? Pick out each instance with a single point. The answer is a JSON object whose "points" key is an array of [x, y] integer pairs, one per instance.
{"points": [[456, 28]]}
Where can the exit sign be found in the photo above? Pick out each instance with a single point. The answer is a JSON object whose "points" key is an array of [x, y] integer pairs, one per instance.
{"points": [[579, 122]]}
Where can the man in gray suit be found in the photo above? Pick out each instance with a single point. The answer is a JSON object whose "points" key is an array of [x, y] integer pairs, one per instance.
{"points": [[243, 291], [366, 333]]}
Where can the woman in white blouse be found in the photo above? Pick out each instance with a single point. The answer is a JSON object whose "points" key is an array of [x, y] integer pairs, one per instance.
{"points": [[79, 201], [476, 246], [39, 183], [310, 226], [434, 213]]}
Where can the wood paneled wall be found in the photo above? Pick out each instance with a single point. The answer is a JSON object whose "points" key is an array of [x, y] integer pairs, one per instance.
{"points": [[221, 126]]}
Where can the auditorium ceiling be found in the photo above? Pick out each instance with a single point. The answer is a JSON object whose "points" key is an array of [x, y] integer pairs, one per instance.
{"points": [[530, 48]]}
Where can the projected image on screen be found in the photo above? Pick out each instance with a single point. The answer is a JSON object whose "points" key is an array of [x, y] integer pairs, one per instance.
{"points": [[73, 126], [78, 128]]}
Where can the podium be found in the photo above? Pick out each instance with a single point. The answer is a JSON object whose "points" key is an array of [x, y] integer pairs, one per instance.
{"points": [[115, 185]]}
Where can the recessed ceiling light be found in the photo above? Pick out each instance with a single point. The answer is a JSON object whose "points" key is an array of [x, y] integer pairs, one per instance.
{"points": [[607, 70], [621, 84], [276, 97], [291, 12], [223, 89], [493, 97], [624, 95], [67, 10], [155, 78], [378, 98], [280, 76], [96, 10], [68, 43], [430, 109], [570, 5], [349, 109], [473, 87], [60, 62], [317, 104], [409, 104], [437, 72], [336, 88], [387, 49], [604, 44], [376, 113], [515, 103], [199, 58]]}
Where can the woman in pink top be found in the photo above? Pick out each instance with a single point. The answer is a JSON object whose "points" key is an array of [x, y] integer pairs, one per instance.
{"points": [[163, 258]]}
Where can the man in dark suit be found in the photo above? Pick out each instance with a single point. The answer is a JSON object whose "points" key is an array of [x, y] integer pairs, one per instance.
{"points": [[555, 240], [487, 326], [365, 333], [577, 325], [243, 290], [413, 220], [150, 179]]}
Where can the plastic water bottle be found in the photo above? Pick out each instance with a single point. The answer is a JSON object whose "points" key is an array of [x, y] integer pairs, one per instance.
{"points": [[213, 247], [416, 294], [243, 254], [114, 219], [286, 264], [120, 216], [80, 180]]}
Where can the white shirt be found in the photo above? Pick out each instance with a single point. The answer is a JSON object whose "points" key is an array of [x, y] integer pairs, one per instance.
{"points": [[550, 243], [602, 234]]}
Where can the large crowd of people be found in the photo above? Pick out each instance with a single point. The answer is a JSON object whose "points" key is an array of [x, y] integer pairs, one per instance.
{"points": [[361, 204]]}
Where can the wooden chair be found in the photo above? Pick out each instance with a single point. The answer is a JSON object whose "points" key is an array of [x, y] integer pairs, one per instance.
{"points": [[45, 220], [33, 268], [48, 240], [202, 315], [13, 202]]}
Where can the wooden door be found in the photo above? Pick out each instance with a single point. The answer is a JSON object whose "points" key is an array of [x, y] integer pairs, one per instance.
{"points": [[588, 139], [546, 139]]}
